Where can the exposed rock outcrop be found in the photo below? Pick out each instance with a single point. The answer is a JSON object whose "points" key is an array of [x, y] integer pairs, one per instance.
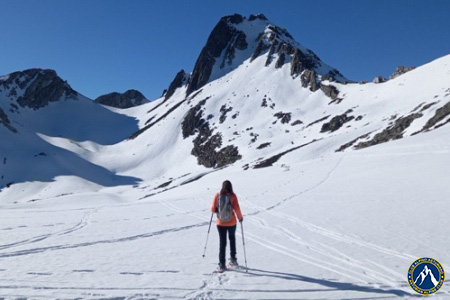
{"points": [[41, 87], [128, 99], [178, 82], [206, 143], [300, 62], [224, 110], [208, 156], [309, 78], [238, 42], [4, 120], [441, 114], [393, 132], [270, 53], [336, 122], [276, 43], [220, 37], [257, 17], [349, 144], [379, 79], [329, 90], [332, 75], [400, 71], [263, 145], [284, 117], [194, 122], [296, 122], [262, 46]]}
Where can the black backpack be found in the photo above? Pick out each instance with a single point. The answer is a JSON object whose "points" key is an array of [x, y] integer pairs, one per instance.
{"points": [[225, 210]]}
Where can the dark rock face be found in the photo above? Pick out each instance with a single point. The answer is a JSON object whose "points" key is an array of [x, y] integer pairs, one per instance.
{"points": [[309, 78], [263, 145], [259, 50], [206, 143], [223, 113], [427, 106], [176, 83], [296, 122], [393, 132], [349, 144], [440, 114], [4, 120], [238, 42], [400, 71], [300, 62], [329, 90], [41, 87], [336, 122], [331, 75], [225, 39], [270, 54], [379, 79], [208, 156], [284, 117], [218, 40], [128, 99], [21, 79], [257, 17], [193, 122], [280, 61]]}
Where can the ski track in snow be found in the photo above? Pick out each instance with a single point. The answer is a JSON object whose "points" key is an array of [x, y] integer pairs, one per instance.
{"points": [[337, 262], [83, 223], [108, 241], [214, 286]]}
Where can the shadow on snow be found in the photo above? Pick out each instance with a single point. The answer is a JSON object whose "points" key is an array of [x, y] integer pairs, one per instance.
{"points": [[335, 286]]}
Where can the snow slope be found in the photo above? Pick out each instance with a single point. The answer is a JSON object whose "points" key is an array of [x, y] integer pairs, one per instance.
{"points": [[340, 194], [325, 228]]}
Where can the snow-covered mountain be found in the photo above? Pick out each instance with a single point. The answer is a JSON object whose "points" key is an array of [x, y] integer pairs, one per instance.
{"points": [[317, 160], [128, 99]]}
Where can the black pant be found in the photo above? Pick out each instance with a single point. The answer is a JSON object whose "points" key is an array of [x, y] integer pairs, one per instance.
{"points": [[223, 242]]}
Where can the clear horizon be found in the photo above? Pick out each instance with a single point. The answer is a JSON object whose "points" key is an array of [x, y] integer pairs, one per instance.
{"points": [[102, 46]]}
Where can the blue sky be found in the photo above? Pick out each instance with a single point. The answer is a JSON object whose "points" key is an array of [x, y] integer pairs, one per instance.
{"points": [[101, 46]]}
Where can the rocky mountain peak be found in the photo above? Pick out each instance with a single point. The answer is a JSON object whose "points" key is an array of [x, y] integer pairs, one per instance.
{"points": [[236, 39], [36, 88], [179, 80], [224, 35], [128, 99], [258, 16]]}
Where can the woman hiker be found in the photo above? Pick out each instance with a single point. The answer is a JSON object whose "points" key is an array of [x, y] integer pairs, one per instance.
{"points": [[226, 206]]}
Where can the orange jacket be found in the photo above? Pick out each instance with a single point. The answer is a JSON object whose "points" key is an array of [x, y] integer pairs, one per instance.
{"points": [[236, 210]]}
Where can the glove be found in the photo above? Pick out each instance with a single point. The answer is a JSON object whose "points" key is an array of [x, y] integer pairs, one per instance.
{"points": [[241, 220]]}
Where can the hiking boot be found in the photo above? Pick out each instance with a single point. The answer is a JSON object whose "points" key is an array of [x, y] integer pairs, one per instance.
{"points": [[233, 262], [222, 267]]}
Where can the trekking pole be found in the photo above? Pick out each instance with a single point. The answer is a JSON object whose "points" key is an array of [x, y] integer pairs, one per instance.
{"points": [[207, 235], [243, 242]]}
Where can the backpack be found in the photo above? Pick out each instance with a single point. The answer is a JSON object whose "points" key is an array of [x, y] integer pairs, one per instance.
{"points": [[225, 210]]}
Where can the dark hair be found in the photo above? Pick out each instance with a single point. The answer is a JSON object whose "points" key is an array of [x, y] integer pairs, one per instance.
{"points": [[227, 187]]}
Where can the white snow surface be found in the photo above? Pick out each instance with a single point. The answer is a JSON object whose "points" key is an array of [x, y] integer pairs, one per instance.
{"points": [[100, 216]]}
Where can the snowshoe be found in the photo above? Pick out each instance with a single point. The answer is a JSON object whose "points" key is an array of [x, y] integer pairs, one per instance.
{"points": [[222, 268], [233, 264]]}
